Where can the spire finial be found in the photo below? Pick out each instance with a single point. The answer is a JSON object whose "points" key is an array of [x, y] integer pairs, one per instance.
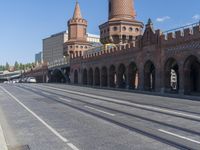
{"points": [[77, 11]]}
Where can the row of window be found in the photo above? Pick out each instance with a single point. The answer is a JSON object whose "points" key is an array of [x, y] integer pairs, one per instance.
{"points": [[78, 46], [124, 28]]}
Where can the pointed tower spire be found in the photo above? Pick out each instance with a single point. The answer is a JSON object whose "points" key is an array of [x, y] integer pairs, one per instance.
{"points": [[77, 34], [77, 11]]}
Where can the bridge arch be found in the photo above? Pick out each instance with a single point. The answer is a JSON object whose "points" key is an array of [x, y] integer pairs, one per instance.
{"points": [[121, 78], [97, 77], [149, 76], [90, 77], [104, 77], [75, 77], [85, 77], [57, 76], [132, 76], [112, 76], [192, 75], [171, 75]]}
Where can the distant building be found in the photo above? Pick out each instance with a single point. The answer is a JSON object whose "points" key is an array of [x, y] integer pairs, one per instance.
{"points": [[39, 58], [53, 46]]}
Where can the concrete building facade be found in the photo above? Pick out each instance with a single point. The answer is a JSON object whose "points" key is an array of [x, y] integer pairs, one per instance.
{"points": [[53, 47]]}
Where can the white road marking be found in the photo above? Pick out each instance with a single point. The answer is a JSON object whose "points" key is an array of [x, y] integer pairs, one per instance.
{"points": [[129, 103], [100, 111], [65, 99], [72, 146], [179, 136], [42, 121], [36, 116], [46, 93], [3, 145]]}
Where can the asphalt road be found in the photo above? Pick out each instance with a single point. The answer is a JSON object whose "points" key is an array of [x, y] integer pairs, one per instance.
{"points": [[65, 117]]}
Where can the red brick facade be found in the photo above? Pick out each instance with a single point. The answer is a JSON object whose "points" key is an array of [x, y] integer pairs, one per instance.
{"points": [[145, 64]]}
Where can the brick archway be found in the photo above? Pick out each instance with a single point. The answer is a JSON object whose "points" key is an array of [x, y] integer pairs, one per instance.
{"points": [[171, 75], [121, 76], [149, 76], [75, 77], [104, 77], [112, 76], [133, 76], [57, 76], [90, 77], [97, 77], [192, 75], [85, 77]]}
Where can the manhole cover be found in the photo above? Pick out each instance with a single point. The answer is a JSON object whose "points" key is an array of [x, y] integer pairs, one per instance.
{"points": [[20, 147]]}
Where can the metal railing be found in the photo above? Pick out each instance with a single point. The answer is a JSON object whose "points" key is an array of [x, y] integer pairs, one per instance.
{"points": [[59, 62], [182, 28]]}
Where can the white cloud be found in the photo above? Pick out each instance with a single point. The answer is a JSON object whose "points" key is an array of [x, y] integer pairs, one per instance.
{"points": [[162, 19], [196, 17]]}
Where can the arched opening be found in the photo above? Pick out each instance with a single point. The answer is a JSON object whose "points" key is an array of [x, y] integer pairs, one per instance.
{"points": [[121, 76], [171, 75], [112, 76], [192, 75], [97, 77], [85, 77], [149, 76], [75, 77], [90, 77], [104, 77], [133, 76], [57, 76]]}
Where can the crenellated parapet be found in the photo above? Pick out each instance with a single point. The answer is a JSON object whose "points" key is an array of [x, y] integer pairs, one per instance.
{"points": [[181, 35], [104, 52], [77, 21]]}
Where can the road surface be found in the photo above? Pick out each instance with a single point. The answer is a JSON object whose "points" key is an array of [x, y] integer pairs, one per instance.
{"points": [[66, 117]]}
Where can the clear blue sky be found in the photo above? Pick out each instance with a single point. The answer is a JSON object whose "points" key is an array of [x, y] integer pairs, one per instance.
{"points": [[24, 23]]}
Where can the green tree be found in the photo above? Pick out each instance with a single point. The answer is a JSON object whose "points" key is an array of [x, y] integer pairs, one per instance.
{"points": [[16, 65], [7, 66], [21, 66], [1, 68]]}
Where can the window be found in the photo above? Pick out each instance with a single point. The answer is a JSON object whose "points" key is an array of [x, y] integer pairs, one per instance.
{"points": [[115, 28], [85, 31], [124, 28], [130, 29]]}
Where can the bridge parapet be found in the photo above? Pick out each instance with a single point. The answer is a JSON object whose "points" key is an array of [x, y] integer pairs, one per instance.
{"points": [[59, 62], [104, 51], [181, 34]]}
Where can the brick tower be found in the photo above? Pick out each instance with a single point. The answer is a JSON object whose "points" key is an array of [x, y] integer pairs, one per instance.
{"points": [[121, 27], [77, 34]]}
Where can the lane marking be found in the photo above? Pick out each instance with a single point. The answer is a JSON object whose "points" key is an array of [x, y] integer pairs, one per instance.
{"points": [[128, 103], [72, 146], [3, 145], [36, 116], [100, 110], [179, 136], [65, 99], [45, 93]]}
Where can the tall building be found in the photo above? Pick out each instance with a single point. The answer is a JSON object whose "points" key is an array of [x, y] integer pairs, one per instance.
{"points": [[121, 27], [77, 34], [39, 58], [53, 47]]}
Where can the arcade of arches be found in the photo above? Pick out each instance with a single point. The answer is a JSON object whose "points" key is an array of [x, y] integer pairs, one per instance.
{"points": [[128, 76]]}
